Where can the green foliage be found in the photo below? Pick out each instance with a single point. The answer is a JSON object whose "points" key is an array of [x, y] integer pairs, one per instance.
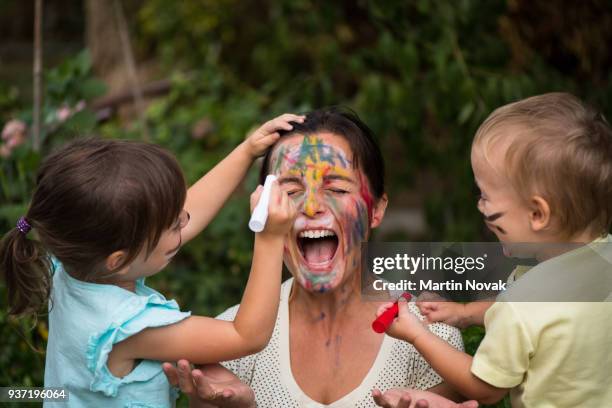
{"points": [[71, 82], [422, 74]]}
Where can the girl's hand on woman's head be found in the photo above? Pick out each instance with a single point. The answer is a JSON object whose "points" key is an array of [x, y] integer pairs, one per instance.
{"points": [[267, 134], [406, 325], [210, 385]]}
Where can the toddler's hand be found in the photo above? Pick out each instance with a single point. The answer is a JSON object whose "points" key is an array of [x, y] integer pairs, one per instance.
{"points": [[267, 134], [406, 325], [438, 310], [281, 211]]}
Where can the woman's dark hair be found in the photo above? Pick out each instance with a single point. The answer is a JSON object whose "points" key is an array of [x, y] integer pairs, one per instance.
{"points": [[345, 123], [92, 197]]}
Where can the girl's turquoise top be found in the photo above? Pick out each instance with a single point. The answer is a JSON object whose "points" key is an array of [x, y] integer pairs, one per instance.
{"points": [[85, 321]]}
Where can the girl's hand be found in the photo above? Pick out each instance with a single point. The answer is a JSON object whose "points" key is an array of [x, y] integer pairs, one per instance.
{"points": [[211, 385], [267, 134], [281, 211], [437, 309], [406, 325]]}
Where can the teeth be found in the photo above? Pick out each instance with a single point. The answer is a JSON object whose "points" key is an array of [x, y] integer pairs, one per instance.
{"points": [[317, 234]]}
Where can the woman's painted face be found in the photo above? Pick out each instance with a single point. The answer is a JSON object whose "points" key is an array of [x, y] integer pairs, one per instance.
{"points": [[334, 205]]}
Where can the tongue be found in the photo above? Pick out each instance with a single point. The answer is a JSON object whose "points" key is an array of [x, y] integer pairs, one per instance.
{"points": [[319, 250]]}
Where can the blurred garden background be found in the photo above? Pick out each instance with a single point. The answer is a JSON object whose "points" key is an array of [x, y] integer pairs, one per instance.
{"points": [[197, 75]]}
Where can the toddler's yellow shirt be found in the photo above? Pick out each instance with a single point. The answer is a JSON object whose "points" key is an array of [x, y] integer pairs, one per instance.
{"points": [[552, 354]]}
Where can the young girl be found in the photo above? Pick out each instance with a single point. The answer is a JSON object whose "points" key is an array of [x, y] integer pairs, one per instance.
{"points": [[107, 214]]}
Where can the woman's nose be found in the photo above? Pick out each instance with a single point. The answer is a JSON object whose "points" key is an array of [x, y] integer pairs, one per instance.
{"points": [[312, 204]]}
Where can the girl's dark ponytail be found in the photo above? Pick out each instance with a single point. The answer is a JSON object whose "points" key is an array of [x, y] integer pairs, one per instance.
{"points": [[26, 269]]}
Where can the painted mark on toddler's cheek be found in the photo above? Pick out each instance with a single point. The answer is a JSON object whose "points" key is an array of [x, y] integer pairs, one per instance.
{"points": [[494, 217]]}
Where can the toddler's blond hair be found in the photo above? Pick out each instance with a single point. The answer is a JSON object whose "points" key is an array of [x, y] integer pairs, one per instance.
{"points": [[559, 148]]}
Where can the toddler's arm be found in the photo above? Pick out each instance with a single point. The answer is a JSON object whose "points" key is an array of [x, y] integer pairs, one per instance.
{"points": [[206, 197], [452, 365], [205, 340]]}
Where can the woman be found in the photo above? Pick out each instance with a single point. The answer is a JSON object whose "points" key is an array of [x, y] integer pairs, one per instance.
{"points": [[323, 351]]}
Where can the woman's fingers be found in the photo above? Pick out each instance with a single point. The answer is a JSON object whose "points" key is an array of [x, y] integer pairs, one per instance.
{"points": [[422, 404], [379, 399], [172, 374], [185, 380], [404, 401], [393, 398], [204, 389], [228, 394]]}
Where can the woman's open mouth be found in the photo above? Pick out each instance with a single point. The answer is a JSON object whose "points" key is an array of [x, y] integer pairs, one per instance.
{"points": [[318, 248]]}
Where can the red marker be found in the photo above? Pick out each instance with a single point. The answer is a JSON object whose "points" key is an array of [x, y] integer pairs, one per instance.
{"points": [[382, 322]]}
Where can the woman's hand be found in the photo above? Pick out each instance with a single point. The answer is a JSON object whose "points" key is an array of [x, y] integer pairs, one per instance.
{"points": [[210, 386], [406, 398]]}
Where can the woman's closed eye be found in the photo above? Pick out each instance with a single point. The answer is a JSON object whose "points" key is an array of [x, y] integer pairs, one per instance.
{"points": [[293, 191], [337, 190]]}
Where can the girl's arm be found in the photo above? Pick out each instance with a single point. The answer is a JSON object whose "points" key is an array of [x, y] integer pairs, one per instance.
{"points": [[205, 340], [452, 365], [206, 197]]}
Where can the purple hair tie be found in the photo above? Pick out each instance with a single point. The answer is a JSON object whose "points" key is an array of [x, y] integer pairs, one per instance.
{"points": [[23, 225]]}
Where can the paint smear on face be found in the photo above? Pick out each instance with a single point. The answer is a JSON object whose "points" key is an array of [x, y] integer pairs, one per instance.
{"points": [[330, 195]]}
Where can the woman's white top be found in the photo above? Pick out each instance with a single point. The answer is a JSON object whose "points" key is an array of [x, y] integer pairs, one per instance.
{"points": [[398, 364]]}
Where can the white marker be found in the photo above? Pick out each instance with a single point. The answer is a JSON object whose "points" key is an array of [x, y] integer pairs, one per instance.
{"points": [[260, 213]]}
